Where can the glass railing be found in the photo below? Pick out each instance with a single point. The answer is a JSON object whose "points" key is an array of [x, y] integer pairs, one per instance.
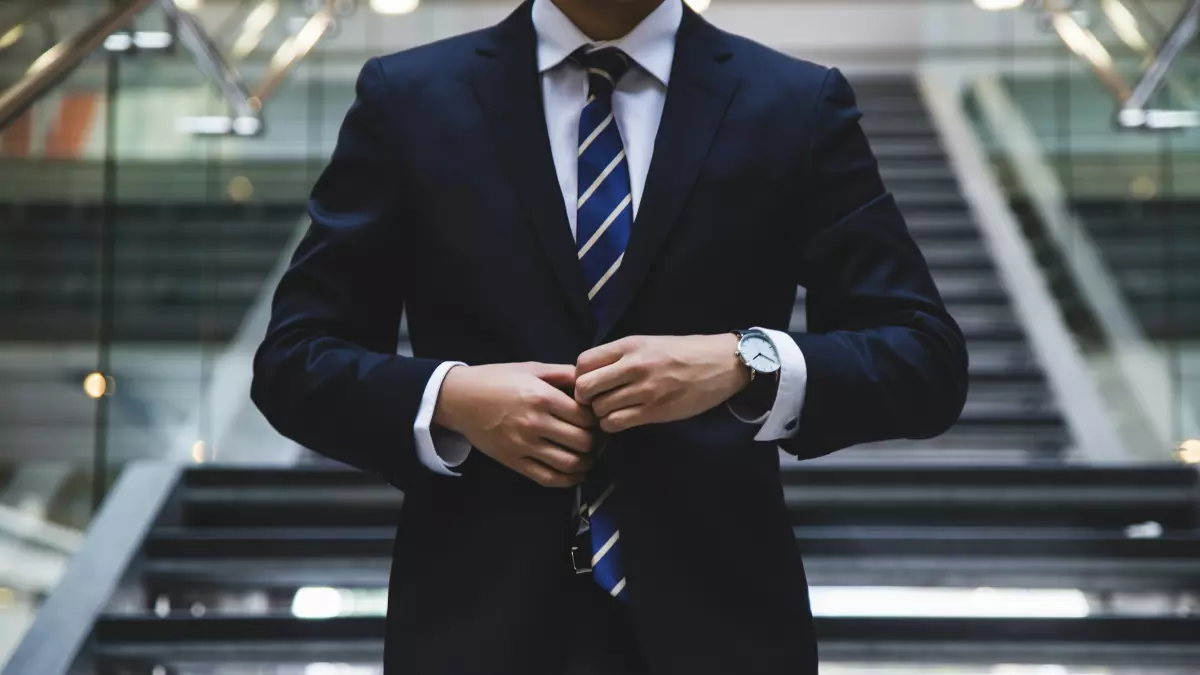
{"points": [[1114, 210], [150, 191]]}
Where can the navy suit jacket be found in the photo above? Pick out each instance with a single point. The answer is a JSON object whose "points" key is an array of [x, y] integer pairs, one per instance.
{"points": [[441, 200]]}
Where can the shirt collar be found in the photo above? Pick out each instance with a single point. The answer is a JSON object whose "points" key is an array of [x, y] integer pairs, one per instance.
{"points": [[651, 44]]}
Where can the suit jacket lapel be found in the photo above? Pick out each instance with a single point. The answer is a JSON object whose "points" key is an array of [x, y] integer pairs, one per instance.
{"points": [[698, 96], [509, 90]]}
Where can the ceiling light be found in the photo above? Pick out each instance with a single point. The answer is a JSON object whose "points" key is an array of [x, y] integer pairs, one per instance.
{"points": [[188, 5], [998, 5], [699, 5], [394, 7]]}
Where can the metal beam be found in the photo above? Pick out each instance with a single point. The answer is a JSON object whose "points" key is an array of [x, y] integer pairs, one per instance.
{"points": [[60, 60], [1183, 33]]}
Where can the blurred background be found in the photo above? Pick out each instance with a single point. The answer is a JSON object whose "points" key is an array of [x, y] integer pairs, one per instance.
{"points": [[155, 157]]}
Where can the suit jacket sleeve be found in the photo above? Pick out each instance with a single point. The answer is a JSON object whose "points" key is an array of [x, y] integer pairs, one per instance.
{"points": [[885, 360], [327, 375]]}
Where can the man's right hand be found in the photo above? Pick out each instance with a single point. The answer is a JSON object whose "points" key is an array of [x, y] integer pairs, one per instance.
{"points": [[524, 416]]}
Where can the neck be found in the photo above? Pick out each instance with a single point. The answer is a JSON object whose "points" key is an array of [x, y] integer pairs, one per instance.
{"points": [[603, 20]]}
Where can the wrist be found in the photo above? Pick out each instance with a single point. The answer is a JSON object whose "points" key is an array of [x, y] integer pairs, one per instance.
{"points": [[739, 373], [446, 412]]}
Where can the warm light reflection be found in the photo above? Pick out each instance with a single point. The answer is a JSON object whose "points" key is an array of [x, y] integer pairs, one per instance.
{"points": [[1124, 24], [395, 7], [50, 56], [254, 27], [95, 385], [7, 597], [1143, 188], [240, 189], [699, 5], [1082, 41], [297, 47], [1188, 451], [10, 38], [188, 5], [198, 450]]}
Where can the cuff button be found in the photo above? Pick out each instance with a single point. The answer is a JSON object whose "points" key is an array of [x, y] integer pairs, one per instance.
{"points": [[791, 425]]}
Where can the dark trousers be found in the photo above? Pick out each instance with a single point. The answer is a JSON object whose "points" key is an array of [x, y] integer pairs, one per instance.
{"points": [[603, 641]]}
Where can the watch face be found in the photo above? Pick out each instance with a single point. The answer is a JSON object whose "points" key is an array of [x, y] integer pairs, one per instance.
{"points": [[759, 353]]}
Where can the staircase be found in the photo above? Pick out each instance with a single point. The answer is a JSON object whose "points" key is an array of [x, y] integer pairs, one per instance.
{"points": [[1011, 414], [206, 569], [262, 568]]}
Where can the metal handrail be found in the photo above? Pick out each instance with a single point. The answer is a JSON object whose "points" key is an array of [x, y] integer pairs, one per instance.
{"points": [[61, 59], [1181, 35], [212, 62], [30, 12], [63, 625], [295, 50]]}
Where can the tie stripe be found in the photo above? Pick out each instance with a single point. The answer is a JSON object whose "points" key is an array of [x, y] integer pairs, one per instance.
{"points": [[600, 179], [595, 134], [604, 222], [604, 279], [620, 210]]}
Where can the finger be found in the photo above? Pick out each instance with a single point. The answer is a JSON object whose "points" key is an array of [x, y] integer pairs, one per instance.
{"points": [[622, 397], [623, 419], [569, 436], [569, 410], [547, 477], [593, 384], [604, 355], [559, 376], [562, 461]]}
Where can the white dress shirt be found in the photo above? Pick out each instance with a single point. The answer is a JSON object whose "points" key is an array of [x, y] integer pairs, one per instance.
{"points": [[637, 107]]}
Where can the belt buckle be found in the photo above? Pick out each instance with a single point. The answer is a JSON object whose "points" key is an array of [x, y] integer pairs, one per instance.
{"points": [[581, 560]]}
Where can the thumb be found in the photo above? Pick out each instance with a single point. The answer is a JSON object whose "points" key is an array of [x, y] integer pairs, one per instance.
{"points": [[557, 375]]}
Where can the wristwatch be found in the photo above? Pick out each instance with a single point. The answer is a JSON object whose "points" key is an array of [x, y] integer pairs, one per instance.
{"points": [[757, 352]]}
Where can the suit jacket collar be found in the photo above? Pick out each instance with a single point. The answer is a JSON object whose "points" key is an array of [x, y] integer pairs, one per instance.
{"points": [[508, 86]]}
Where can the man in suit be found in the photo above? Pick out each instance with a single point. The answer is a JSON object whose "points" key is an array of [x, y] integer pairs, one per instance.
{"points": [[605, 208]]}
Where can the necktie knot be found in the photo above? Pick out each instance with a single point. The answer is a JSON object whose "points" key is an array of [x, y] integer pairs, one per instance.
{"points": [[605, 67]]}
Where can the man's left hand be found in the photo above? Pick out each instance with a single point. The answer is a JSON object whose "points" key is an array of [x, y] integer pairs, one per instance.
{"points": [[653, 379]]}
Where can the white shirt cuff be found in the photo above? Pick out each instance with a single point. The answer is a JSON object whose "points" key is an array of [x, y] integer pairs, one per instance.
{"points": [[783, 419], [440, 450]]}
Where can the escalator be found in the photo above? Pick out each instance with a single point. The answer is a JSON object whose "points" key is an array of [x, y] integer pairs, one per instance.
{"points": [[1011, 415], [1152, 249], [985, 546]]}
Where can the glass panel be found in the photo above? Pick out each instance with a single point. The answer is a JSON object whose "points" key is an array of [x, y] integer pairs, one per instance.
{"points": [[1131, 197], [51, 244]]}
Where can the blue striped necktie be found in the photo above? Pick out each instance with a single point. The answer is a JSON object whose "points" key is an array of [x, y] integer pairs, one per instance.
{"points": [[604, 221]]}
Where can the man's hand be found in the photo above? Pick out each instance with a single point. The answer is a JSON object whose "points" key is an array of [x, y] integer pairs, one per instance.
{"points": [[519, 415], [649, 380]]}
